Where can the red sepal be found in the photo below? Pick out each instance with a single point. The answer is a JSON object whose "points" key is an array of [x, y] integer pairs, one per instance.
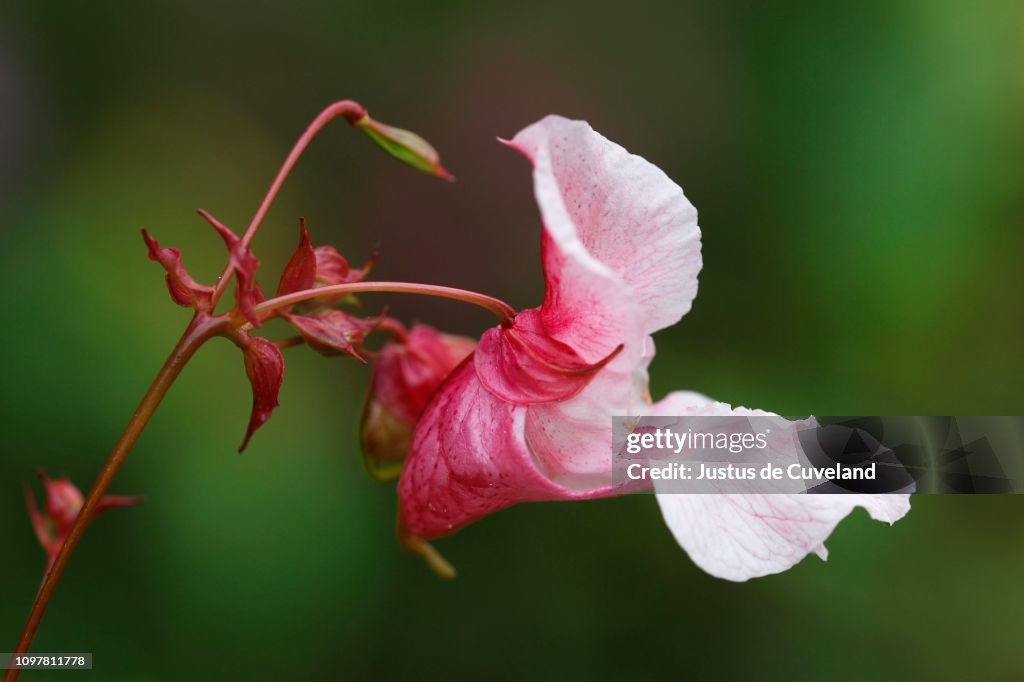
{"points": [[332, 332], [300, 272], [333, 268], [247, 293], [184, 290], [264, 365]]}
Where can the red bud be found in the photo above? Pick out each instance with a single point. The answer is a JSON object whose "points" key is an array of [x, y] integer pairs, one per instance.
{"points": [[62, 504], [406, 373]]}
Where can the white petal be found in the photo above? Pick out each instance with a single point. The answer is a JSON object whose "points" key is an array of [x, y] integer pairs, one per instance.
{"points": [[743, 536]]}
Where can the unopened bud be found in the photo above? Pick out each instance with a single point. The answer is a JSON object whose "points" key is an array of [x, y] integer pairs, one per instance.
{"points": [[406, 146], [406, 373]]}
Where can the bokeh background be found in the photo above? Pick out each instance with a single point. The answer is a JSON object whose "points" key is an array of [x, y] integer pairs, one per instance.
{"points": [[858, 174]]}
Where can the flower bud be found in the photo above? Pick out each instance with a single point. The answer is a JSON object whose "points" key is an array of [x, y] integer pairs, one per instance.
{"points": [[406, 146], [406, 373], [61, 506]]}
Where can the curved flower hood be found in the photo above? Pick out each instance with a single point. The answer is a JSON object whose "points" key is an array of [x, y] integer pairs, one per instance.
{"points": [[528, 416]]}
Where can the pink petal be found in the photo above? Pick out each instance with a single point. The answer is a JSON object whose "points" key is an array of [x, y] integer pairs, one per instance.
{"points": [[469, 458], [610, 213], [525, 365], [621, 252], [572, 439], [738, 537]]}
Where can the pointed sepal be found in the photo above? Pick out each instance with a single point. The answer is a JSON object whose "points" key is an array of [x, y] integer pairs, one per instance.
{"points": [[184, 290], [333, 332], [300, 272], [264, 365], [247, 292]]}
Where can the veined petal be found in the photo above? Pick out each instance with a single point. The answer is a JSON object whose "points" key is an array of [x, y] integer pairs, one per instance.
{"points": [[468, 459], [525, 365], [743, 536], [611, 213], [572, 439]]}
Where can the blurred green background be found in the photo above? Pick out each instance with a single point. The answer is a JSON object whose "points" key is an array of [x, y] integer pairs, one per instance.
{"points": [[857, 170]]}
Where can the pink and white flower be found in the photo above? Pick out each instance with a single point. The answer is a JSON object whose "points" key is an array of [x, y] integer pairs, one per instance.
{"points": [[527, 417]]}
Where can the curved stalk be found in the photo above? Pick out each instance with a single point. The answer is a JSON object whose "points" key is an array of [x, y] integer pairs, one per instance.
{"points": [[503, 311], [352, 111], [199, 330]]}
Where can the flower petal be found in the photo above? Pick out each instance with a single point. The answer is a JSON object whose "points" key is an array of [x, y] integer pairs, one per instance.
{"points": [[469, 458], [609, 212], [572, 440], [743, 536], [525, 365]]}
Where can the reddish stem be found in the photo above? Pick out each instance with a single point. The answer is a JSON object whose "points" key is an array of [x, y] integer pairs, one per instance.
{"points": [[352, 111], [199, 330], [504, 312]]}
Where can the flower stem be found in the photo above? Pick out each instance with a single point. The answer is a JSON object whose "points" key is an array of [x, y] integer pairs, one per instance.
{"points": [[199, 330], [353, 111], [503, 311]]}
